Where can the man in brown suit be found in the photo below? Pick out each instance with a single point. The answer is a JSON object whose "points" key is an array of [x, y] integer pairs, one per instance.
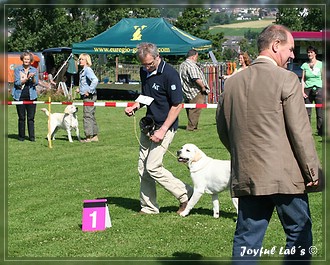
{"points": [[262, 121]]}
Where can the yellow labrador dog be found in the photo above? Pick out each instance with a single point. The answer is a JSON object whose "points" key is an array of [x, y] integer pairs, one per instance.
{"points": [[208, 175], [67, 121]]}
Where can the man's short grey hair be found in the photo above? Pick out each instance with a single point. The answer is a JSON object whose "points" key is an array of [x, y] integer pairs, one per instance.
{"points": [[145, 48]]}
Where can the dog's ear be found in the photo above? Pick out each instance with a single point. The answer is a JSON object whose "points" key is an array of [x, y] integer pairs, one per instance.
{"points": [[197, 156], [67, 110]]}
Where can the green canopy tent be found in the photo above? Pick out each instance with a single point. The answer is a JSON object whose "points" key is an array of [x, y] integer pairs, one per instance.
{"points": [[123, 38]]}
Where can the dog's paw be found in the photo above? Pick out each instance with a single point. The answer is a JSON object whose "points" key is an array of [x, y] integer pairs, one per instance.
{"points": [[216, 215], [184, 213]]}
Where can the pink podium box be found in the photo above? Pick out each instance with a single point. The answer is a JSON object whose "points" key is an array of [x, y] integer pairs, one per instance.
{"points": [[95, 216]]}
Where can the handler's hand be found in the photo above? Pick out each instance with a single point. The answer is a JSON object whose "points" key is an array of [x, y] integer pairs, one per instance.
{"points": [[157, 136], [129, 111], [313, 183], [31, 75]]}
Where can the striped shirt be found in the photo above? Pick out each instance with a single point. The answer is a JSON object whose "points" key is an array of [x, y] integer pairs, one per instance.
{"points": [[189, 73]]}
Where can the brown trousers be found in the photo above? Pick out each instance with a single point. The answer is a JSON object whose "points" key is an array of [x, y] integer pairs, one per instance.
{"points": [[193, 114]]}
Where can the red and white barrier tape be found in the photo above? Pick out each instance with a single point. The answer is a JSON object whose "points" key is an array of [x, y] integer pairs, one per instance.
{"points": [[123, 104]]}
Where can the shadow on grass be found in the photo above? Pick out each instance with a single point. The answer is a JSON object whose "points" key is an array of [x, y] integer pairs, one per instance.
{"points": [[201, 211], [59, 138], [191, 259], [134, 205], [127, 203], [15, 136]]}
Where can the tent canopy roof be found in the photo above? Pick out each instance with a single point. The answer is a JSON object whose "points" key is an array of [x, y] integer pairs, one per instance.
{"points": [[123, 38]]}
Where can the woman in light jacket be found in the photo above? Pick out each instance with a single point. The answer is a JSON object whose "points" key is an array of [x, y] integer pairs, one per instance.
{"points": [[26, 80], [87, 89]]}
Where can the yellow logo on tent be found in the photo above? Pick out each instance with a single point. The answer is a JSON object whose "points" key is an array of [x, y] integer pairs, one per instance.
{"points": [[183, 33], [137, 34]]}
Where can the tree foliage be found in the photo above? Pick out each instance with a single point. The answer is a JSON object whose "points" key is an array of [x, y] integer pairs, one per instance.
{"points": [[195, 22], [302, 19], [39, 28], [36, 27]]}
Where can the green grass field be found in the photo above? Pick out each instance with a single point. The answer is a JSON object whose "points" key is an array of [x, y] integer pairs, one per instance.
{"points": [[46, 188], [239, 28]]}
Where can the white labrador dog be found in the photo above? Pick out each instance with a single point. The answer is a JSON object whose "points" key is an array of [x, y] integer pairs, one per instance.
{"points": [[67, 121], [208, 175]]}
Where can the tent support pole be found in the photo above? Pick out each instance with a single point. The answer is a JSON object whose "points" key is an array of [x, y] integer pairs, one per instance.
{"points": [[116, 72], [63, 66]]}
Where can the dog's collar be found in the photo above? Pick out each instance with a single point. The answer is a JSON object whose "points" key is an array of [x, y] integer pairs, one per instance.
{"points": [[206, 161]]}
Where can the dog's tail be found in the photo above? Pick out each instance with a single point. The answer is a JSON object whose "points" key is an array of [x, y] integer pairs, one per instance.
{"points": [[46, 111]]}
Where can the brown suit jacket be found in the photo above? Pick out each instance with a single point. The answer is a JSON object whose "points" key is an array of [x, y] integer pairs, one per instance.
{"points": [[263, 123]]}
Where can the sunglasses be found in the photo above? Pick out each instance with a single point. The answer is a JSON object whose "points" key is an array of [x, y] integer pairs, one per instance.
{"points": [[149, 64]]}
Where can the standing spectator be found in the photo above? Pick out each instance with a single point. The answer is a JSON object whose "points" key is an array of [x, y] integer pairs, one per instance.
{"points": [[195, 87], [243, 60], [51, 78], [311, 81], [26, 80], [87, 89], [263, 124], [162, 84]]}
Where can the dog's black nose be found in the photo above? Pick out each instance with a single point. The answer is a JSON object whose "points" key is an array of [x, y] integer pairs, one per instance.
{"points": [[178, 152]]}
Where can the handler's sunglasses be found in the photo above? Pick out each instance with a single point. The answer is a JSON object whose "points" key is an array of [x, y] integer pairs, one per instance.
{"points": [[151, 64]]}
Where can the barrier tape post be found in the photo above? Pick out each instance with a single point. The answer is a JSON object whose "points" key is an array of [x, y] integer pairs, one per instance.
{"points": [[49, 132]]}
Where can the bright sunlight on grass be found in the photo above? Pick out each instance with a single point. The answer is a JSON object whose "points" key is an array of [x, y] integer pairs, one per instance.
{"points": [[46, 189]]}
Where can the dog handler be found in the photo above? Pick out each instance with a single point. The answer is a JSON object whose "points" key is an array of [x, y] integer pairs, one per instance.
{"points": [[162, 83]]}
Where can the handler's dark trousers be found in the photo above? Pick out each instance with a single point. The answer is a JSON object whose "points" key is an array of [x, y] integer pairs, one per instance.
{"points": [[254, 213], [315, 96]]}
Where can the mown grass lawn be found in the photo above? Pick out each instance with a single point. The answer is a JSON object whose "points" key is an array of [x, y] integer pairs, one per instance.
{"points": [[45, 189], [239, 28]]}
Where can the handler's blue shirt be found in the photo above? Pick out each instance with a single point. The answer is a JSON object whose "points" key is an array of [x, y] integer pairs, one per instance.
{"points": [[164, 86]]}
